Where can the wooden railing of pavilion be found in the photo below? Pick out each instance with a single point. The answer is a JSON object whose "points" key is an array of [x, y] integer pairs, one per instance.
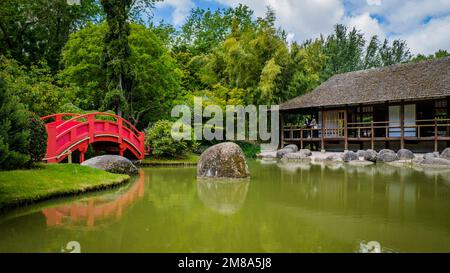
{"points": [[425, 130]]}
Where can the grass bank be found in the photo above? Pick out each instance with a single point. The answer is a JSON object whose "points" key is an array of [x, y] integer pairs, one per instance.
{"points": [[22, 187], [188, 160]]}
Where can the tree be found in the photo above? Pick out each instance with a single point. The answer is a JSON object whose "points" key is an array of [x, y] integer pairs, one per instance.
{"points": [[206, 29], [156, 84], [14, 134], [251, 64], [35, 86], [307, 64], [116, 54], [437, 55], [34, 31]]}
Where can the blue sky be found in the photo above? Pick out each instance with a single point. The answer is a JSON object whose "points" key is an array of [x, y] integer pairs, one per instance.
{"points": [[424, 24]]}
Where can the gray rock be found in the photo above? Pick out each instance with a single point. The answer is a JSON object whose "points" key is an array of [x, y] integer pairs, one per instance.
{"points": [[112, 164], [224, 160], [370, 155], [430, 155], [361, 153], [333, 159], [305, 152], [436, 161], [296, 156], [287, 150], [386, 155], [292, 147], [405, 154], [349, 156], [385, 151], [446, 153]]}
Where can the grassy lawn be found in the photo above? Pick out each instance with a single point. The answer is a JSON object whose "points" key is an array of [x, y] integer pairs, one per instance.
{"points": [[188, 159], [52, 180]]}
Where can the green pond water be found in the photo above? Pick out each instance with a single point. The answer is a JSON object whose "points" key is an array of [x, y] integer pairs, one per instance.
{"points": [[282, 208]]}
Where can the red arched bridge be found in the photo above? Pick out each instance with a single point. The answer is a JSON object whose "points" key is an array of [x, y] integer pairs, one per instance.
{"points": [[68, 133]]}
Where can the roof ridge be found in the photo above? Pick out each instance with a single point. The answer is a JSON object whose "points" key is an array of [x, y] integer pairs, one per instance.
{"points": [[381, 68]]}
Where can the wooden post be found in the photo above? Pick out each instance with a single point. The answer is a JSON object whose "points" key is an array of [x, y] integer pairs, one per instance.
{"points": [[345, 131], [372, 135], [435, 135], [322, 141], [301, 138], [402, 126]]}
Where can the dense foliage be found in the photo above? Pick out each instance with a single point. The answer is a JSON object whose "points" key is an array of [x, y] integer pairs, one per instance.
{"points": [[14, 133], [161, 142], [103, 56], [37, 145]]}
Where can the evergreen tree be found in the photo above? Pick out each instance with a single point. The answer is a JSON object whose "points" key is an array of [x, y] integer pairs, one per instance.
{"points": [[14, 135]]}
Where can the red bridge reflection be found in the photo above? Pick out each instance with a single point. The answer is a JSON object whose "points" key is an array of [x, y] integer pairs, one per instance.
{"points": [[95, 211]]}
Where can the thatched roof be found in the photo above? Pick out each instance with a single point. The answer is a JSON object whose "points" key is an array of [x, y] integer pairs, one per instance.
{"points": [[412, 81]]}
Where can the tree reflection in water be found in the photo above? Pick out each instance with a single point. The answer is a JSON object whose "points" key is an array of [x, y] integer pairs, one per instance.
{"points": [[223, 196], [96, 210]]}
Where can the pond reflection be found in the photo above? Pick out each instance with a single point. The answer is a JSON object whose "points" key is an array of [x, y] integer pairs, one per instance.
{"points": [[283, 208], [95, 211], [222, 196]]}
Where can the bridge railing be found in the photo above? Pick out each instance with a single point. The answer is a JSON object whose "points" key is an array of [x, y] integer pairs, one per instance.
{"points": [[67, 129]]}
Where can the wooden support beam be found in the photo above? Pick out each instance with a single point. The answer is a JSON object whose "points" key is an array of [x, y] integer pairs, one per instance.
{"points": [[372, 136], [435, 135], [402, 125], [322, 140], [345, 130]]}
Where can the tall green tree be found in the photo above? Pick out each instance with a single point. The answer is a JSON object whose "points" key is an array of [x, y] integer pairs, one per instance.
{"points": [[156, 84], [117, 52]]}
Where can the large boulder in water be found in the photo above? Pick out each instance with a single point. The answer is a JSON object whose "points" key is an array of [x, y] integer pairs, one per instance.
{"points": [[112, 164], [386, 155], [224, 160], [446, 153], [405, 154]]}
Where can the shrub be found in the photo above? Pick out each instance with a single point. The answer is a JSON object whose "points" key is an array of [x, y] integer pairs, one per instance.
{"points": [[250, 150], [37, 146], [14, 132], [163, 145]]}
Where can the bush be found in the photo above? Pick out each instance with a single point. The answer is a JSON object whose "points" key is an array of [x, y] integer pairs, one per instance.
{"points": [[250, 150], [14, 132], [38, 138], [162, 144]]}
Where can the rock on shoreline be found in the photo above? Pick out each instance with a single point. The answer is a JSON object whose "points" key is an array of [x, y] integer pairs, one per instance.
{"points": [[112, 164], [402, 157]]}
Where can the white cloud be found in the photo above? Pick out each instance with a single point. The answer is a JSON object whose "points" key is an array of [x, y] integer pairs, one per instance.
{"points": [[374, 2], [181, 9], [306, 18], [368, 25], [429, 38]]}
